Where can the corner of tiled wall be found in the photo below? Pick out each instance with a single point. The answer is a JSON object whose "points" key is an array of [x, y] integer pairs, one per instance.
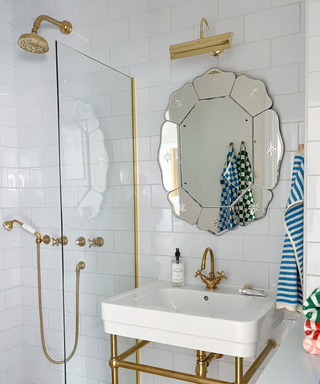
{"points": [[312, 204], [11, 295]]}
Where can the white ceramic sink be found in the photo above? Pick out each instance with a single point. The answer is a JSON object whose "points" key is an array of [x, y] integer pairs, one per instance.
{"points": [[222, 321]]}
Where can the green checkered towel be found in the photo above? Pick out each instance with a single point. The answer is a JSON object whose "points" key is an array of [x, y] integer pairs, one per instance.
{"points": [[311, 307], [245, 208]]}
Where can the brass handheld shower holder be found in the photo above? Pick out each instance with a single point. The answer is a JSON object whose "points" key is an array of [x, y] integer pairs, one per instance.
{"points": [[8, 225]]}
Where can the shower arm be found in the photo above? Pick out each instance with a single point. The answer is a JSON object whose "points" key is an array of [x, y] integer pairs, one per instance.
{"points": [[64, 26]]}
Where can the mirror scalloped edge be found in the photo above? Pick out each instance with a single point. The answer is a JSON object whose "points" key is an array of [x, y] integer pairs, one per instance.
{"points": [[205, 122]]}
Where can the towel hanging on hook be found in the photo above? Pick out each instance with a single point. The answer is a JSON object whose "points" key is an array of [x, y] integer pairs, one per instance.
{"points": [[290, 282], [245, 206], [301, 149]]}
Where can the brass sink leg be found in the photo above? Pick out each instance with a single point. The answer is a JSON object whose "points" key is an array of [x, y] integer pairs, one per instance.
{"points": [[118, 361], [271, 344], [202, 365], [113, 360], [239, 370]]}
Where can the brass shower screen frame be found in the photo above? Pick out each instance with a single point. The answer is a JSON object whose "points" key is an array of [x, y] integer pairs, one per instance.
{"points": [[135, 178]]}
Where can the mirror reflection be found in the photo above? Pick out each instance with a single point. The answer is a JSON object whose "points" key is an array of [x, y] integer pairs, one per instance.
{"points": [[85, 157], [205, 136], [220, 151]]}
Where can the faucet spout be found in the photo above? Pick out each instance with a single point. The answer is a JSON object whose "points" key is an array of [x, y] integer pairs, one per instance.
{"points": [[204, 259], [212, 281]]}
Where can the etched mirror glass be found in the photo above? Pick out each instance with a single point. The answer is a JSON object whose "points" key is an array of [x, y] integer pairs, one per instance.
{"points": [[220, 151]]}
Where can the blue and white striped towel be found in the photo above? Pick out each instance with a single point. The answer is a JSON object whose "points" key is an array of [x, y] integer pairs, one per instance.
{"points": [[290, 283]]}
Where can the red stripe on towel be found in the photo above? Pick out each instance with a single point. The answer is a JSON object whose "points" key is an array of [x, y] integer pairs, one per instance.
{"points": [[312, 325]]}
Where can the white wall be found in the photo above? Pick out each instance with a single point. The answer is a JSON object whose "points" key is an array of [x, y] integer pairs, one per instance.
{"points": [[110, 269], [312, 240], [251, 254], [134, 36], [11, 328], [268, 45]]}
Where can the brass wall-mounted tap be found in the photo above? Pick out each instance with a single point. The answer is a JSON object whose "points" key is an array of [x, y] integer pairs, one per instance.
{"points": [[60, 240], [81, 241], [96, 242], [212, 281]]}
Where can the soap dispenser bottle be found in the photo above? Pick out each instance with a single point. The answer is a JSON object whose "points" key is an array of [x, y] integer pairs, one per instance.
{"points": [[177, 270]]}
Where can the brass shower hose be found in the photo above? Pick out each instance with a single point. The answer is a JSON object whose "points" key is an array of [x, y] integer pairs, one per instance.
{"points": [[81, 265]]}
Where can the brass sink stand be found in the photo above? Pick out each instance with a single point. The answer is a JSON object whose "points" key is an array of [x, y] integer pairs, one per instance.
{"points": [[118, 361]]}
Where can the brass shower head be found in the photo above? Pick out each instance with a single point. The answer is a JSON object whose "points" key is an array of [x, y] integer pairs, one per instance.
{"points": [[32, 42]]}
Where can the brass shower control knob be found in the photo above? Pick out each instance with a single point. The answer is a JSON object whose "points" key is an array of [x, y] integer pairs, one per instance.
{"points": [[81, 241], [96, 242], [46, 239], [57, 241]]}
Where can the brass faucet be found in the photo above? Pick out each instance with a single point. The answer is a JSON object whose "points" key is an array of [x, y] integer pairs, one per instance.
{"points": [[212, 281]]}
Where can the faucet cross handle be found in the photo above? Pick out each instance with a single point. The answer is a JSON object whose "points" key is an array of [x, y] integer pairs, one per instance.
{"points": [[92, 242], [55, 242], [96, 242], [198, 273], [221, 275], [64, 240]]}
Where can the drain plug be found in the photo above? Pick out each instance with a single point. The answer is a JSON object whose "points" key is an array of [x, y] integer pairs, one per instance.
{"points": [[206, 298]]}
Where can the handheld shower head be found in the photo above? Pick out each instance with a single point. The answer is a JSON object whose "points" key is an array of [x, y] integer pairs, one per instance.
{"points": [[8, 225]]}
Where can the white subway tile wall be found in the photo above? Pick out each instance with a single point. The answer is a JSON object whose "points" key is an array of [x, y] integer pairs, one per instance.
{"points": [[134, 36], [11, 294]]}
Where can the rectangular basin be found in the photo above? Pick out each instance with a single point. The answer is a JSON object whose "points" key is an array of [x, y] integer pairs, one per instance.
{"points": [[222, 321]]}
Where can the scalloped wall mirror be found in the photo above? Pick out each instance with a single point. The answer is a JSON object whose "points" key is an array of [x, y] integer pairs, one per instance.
{"points": [[220, 151]]}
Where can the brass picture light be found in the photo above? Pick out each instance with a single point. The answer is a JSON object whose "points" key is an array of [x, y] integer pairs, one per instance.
{"points": [[215, 45]]}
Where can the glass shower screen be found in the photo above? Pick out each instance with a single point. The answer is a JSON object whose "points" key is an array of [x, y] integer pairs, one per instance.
{"points": [[97, 206]]}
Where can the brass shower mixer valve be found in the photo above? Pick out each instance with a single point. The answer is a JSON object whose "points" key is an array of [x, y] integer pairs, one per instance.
{"points": [[96, 242], [58, 241], [46, 239], [81, 241]]}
